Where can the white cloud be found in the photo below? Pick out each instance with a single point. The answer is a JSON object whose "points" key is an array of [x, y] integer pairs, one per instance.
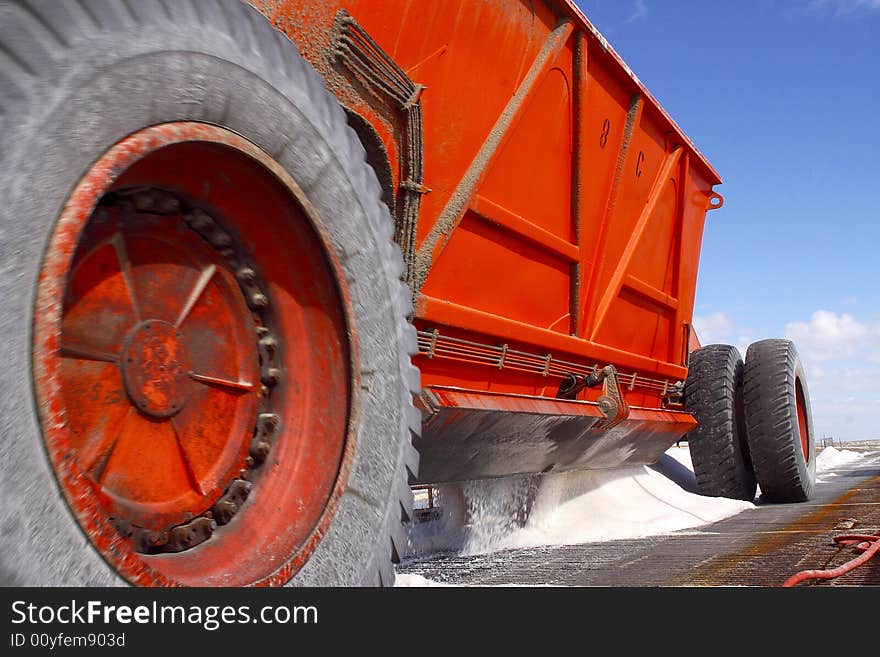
{"points": [[718, 328], [845, 6], [829, 336], [841, 355], [713, 328], [640, 11]]}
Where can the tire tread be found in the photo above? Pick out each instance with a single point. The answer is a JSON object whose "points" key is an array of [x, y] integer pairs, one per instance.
{"points": [[718, 449], [768, 394]]}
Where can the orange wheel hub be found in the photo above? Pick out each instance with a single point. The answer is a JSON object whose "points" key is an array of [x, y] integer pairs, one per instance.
{"points": [[151, 305], [193, 361]]}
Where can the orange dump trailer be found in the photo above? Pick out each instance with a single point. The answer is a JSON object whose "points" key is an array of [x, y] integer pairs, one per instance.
{"points": [[550, 213], [268, 264]]}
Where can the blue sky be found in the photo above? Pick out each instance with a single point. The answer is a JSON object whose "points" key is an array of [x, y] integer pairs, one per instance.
{"points": [[783, 98]]}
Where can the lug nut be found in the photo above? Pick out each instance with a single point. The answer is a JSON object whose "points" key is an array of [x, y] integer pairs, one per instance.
{"points": [[260, 450], [271, 376], [221, 240], [258, 300], [168, 205], [268, 422], [247, 275]]}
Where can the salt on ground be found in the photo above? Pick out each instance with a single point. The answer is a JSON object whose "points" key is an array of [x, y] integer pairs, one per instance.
{"points": [[831, 457], [582, 507]]}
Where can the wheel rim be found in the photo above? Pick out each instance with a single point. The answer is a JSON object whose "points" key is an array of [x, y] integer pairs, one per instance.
{"points": [[802, 420], [193, 361]]}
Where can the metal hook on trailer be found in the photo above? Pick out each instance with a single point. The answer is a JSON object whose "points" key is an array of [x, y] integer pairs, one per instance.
{"points": [[611, 402]]}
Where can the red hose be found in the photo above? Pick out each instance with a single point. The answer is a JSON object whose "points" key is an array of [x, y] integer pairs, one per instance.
{"points": [[867, 544]]}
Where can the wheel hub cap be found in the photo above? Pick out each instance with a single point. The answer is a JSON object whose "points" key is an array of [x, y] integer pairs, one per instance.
{"points": [[155, 366]]}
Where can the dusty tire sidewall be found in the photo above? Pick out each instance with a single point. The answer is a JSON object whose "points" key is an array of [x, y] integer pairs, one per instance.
{"points": [[105, 89]]}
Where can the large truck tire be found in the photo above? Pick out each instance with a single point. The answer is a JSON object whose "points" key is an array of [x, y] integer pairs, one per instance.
{"points": [[148, 143], [713, 395], [779, 421]]}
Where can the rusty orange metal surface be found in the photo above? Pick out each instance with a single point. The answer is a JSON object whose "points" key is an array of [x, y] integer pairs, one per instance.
{"points": [[560, 210], [153, 398], [149, 310]]}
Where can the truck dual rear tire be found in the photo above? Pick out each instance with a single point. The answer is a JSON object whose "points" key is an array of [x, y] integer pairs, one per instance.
{"points": [[78, 78], [779, 421], [719, 452], [755, 423]]}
